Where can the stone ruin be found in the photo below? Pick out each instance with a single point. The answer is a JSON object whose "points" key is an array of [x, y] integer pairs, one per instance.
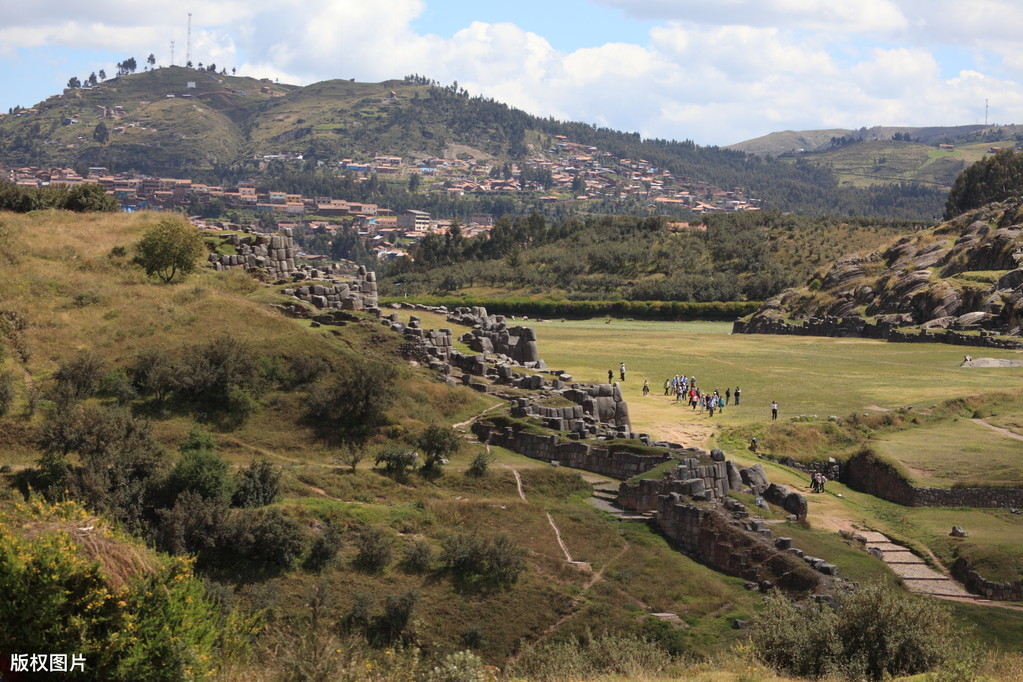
{"points": [[359, 292], [491, 334], [274, 253]]}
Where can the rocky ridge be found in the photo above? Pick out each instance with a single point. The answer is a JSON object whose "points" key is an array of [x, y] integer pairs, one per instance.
{"points": [[961, 278]]}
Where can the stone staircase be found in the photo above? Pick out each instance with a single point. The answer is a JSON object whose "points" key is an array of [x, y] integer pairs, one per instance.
{"points": [[916, 575]]}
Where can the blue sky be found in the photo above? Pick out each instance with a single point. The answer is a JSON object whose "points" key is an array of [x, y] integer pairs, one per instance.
{"points": [[716, 73]]}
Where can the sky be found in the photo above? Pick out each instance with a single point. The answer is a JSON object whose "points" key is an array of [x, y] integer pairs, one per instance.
{"points": [[715, 72]]}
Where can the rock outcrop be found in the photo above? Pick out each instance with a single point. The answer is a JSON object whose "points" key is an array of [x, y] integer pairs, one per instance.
{"points": [[960, 282]]}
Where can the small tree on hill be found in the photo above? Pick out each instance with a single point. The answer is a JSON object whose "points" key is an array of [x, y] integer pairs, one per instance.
{"points": [[101, 134], [168, 248], [436, 443]]}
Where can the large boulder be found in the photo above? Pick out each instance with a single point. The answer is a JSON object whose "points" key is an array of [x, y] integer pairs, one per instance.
{"points": [[755, 478]]}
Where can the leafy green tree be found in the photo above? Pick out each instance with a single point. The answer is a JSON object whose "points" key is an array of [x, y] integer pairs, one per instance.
{"points": [[168, 248], [102, 75], [89, 197], [437, 442], [73, 82], [151, 59], [100, 133], [354, 403]]}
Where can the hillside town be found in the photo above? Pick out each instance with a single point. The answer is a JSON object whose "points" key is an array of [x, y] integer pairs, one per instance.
{"points": [[565, 172]]}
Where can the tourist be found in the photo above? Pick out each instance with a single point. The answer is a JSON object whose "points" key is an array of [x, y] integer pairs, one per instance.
{"points": [[667, 387], [753, 445], [738, 392], [728, 395], [610, 376], [774, 410], [646, 387], [621, 370]]}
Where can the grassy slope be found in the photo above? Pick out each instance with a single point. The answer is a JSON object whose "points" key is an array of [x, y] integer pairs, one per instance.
{"points": [[58, 257]]}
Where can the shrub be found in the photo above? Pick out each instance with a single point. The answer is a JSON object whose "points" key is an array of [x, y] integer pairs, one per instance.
{"points": [[471, 558], [351, 455], [220, 375], [201, 471], [480, 465], [325, 548], [417, 556], [194, 525], [394, 624], [154, 373], [99, 595], [375, 548], [460, 666], [257, 485], [78, 378], [6, 393], [472, 636], [353, 404], [118, 385], [266, 538], [873, 633], [397, 461]]}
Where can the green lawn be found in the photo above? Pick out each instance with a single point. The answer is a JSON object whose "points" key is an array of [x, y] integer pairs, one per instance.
{"points": [[959, 451]]}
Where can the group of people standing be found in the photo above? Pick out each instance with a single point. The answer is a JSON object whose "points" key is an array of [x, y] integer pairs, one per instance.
{"points": [[686, 392]]}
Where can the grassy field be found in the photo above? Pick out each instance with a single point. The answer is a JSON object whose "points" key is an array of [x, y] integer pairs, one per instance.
{"points": [[958, 451]]}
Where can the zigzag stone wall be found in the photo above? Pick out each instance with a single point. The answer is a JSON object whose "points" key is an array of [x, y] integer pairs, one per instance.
{"points": [[619, 465], [858, 327], [868, 476]]}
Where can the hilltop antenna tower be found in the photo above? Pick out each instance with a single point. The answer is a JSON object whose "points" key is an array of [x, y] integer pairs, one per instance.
{"points": [[985, 111], [172, 53], [188, 44]]}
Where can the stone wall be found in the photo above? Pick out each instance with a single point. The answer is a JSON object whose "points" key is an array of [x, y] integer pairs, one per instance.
{"points": [[574, 454], [858, 327], [742, 548], [358, 292], [1008, 591], [868, 475]]}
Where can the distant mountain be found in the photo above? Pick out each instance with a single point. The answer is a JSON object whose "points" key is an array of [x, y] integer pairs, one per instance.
{"points": [[821, 140], [191, 123]]}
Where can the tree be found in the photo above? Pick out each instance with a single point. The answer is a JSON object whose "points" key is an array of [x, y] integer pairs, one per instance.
{"points": [[92, 78], [355, 402], [73, 82], [102, 75], [101, 134], [169, 247], [151, 59], [436, 443]]}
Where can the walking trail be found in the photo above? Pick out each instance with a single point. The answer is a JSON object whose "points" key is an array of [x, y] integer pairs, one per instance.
{"points": [[999, 429]]}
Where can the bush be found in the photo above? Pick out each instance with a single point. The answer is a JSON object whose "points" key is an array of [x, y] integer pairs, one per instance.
{"points": [[325, 549], [480, 465], [353, 404], [203, 472], [471, 558], [873, 633], [194, 525], [593, 656], [375, 548], [266, 538], [118, 385], [397, 461], [417, 556], [257, 485], [154, 373], [101, 596], [6, 393], [78, 378], [220, 376]]}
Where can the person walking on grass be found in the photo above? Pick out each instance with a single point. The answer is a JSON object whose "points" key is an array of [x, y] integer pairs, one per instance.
{"points": [[621, 370], [738, 392], [728, 395], [646, 387], [774, 410], [610, 376]]}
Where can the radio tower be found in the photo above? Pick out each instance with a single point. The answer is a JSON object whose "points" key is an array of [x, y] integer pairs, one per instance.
{"points": [[188, 44], [172, 53]]}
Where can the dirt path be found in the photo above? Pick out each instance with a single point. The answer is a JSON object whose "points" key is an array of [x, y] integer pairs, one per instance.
{"points": [[461, 425], [694, 435], [999, 429]]}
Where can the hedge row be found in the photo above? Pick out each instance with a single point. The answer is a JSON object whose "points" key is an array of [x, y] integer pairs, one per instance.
{"points": [[646, 310]]}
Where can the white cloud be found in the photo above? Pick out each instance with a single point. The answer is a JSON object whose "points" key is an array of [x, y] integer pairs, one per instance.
{"points": [[713, 72]]}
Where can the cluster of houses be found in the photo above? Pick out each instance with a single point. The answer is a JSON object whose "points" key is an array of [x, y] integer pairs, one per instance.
{"points": [[566, 171]]}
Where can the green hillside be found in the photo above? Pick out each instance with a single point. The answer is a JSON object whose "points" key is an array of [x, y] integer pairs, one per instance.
{"points": [[224, 128]]}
